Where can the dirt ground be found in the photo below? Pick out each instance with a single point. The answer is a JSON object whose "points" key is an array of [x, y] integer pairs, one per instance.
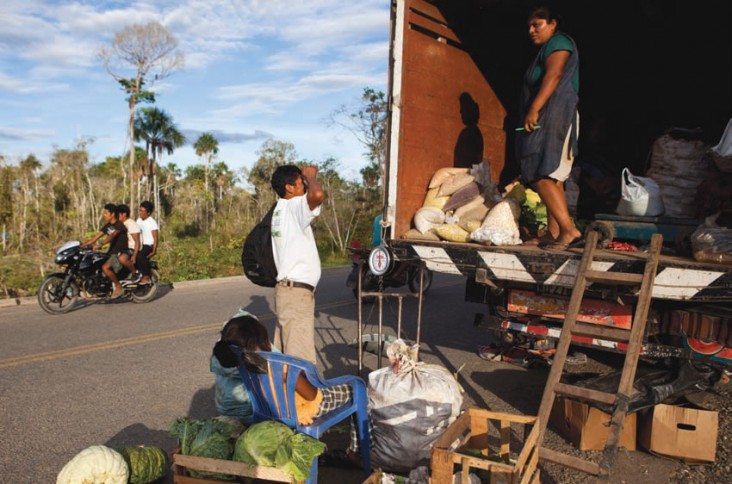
{"points": [[509, 387], [521, 396]]}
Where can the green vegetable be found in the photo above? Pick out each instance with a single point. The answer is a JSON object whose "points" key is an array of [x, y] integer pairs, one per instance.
{"points": [[273, 444], [259, 443], [211, 437], [297, 455], [147, 464]]}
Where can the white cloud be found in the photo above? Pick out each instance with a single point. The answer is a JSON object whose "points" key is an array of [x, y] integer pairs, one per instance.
{"points": [[254, 69], [9, 133]]}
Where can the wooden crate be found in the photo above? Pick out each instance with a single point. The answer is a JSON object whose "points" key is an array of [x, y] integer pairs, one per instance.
{"points": [[471, 430], [182, 463]]}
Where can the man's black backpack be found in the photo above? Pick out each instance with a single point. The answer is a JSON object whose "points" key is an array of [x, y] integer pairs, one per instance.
{"points": [[256, 256]]}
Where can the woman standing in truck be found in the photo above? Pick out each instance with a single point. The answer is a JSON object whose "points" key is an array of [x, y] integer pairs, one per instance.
{"points": [[546, 143]]}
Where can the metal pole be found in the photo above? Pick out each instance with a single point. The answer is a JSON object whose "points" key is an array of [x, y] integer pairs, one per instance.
{"points": [[419, 304], [380, 336], [399, 317], [360, 322]]}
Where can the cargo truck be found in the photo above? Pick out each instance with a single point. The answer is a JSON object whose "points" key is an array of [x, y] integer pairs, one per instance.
{"points": [[454, 75]]}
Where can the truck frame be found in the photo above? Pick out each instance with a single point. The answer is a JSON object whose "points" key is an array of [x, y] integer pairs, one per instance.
{"points": [[446, 59]]}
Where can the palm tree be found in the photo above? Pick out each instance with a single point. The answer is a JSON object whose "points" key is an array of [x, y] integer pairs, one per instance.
{"points": [[160, 133], [206, 146]]}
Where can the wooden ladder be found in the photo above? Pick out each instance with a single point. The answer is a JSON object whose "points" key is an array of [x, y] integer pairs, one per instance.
{"points": [[633, 336]]}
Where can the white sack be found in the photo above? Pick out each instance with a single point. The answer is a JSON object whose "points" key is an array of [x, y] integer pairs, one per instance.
{"points": [[409, 409], [428, 218]]}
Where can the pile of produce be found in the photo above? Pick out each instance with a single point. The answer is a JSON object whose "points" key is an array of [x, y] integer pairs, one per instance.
{"points": [[209, 437], [462, 205], [101, 464], [273, 444], [269, 443]]}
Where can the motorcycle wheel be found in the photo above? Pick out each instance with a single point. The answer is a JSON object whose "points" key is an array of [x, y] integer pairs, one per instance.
{"points": [[146, 293], [414, 281], [52, 300], [368, 283]]}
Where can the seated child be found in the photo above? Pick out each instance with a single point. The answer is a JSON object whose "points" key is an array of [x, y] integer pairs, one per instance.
{"points": [[245, 331]]}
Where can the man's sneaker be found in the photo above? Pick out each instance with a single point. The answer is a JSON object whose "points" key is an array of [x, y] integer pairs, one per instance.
{"points": [[134, 277], [118, 291], [145, 281]]}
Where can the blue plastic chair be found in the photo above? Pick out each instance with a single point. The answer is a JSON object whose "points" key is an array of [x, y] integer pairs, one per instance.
{"points": [[269, 390]]}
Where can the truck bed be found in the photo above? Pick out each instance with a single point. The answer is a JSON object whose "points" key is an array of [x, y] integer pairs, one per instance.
{"points": [[677, 278]]}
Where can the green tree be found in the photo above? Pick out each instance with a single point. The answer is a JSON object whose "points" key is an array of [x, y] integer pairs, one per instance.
{"points": [[342, 208], [161, 135], [367, 122], [7, 179], [152, 54], [207, 147], [272, 154]]}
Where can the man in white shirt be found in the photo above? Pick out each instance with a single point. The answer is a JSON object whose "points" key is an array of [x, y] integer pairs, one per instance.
{"points": [[149, 237], [128, 258], [296, 258]]}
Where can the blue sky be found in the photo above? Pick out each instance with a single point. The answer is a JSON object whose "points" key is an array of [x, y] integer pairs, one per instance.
{"points": [[254, 69]]}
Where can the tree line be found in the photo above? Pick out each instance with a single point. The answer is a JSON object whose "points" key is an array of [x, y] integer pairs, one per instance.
{"points": [[205, 211]]}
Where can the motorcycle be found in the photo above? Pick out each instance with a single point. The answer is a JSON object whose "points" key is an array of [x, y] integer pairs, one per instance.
{"points": [[83, 277], [389, 273]]}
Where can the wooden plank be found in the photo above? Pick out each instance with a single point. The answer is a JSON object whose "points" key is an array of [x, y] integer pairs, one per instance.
{"points": [[459, 429], [547, 399], [430, 25], [530, 471], [505, 440], [614, 277], [529, 447], [231, 467], [602, 332], [635, 344], [479, 412], [585, 394], [569, 461]]}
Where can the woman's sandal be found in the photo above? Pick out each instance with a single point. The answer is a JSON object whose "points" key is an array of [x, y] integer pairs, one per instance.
{"points": [[559, 246], [339, 458]]}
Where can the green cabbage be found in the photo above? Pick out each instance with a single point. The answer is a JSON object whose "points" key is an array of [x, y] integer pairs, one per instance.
{"points": [[297, 455], [259, 443], [274, 444], [211, 437]]}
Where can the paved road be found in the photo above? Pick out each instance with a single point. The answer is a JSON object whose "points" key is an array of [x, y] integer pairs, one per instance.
{"points": [[119, 373]]}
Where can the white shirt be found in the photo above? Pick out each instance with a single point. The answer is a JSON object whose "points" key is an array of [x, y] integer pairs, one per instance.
{"points": [[293, 244], [146, 227], [132, 228]]}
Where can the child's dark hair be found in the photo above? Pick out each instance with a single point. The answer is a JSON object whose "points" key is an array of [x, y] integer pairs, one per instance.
{"points": [[244, 331]]}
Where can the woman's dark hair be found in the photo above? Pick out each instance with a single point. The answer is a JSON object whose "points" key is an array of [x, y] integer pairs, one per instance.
{"points": [[544, 12], [245, 332], [284, 175]]}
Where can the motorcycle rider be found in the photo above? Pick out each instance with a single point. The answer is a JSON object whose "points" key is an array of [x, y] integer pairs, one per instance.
{"points": [[129, 257], [149, 238], [117, 239]]}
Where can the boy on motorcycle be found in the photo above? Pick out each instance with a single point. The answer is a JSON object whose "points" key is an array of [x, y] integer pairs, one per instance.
{"points": [[117, 239]]}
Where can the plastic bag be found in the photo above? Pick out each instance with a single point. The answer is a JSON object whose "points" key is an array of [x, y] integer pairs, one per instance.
{"points": [[711, 243], [640, 196], [410, 404]]}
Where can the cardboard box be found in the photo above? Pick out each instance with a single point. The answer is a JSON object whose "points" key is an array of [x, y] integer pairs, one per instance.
{"points": [[472, 430], [684, 433], [586, 427]]}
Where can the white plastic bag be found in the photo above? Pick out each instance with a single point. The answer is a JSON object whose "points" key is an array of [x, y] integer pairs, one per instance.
{"points": [[410, 404], [640, 196]]}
